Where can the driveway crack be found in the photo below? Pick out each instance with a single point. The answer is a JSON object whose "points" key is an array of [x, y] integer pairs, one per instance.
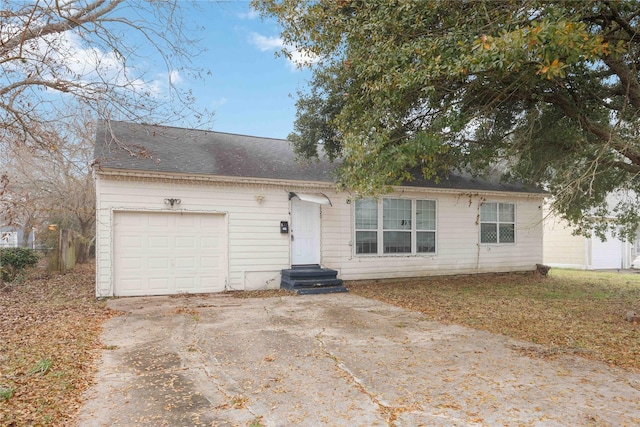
{"points": [[390, 413]]}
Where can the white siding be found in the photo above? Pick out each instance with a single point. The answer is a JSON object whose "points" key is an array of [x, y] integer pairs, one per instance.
{"points": [[257, 251], [561, 248], [458, 250]]}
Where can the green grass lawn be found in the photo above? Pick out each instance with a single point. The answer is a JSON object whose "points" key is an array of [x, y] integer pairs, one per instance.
{"points": [[567, 312]]}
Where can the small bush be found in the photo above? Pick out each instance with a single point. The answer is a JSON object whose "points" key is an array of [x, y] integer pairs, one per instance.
{"points": [[14, 260]]}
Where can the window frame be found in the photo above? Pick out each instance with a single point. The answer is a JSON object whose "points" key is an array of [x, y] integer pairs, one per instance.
{"points": [[498, 222], [380, 229]]}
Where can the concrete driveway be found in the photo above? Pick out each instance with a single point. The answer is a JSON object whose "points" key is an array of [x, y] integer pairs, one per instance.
{"points": [[335, 360]]}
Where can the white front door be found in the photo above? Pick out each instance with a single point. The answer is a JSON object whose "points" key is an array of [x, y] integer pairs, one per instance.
{"points": [[305, 232]]}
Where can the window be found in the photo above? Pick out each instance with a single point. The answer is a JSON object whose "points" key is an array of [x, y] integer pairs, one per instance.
{"points": [[498, 223], [395, 226], [396, 222], [426, 226], [366, 226]]}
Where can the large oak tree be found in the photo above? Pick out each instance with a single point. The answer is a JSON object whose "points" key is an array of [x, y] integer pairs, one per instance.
{"points": [[549, 90]]}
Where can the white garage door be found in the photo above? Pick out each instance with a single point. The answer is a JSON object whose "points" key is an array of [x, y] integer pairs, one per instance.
{"points": [[606, 254], [166, 253]]}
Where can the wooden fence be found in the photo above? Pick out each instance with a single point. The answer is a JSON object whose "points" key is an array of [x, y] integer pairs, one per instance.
{"points": [[66, 255]]}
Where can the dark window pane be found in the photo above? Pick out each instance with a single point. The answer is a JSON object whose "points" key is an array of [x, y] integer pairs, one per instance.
{"points": [[366, 242], [488, 233], [507, 233], [397, 242], [426, 242]]}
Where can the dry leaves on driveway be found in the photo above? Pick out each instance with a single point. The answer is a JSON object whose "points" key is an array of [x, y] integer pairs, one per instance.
{"points": [[49, 338], [568, 312]]}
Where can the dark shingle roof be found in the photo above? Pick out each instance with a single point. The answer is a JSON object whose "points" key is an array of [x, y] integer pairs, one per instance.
{"points": [[153, 148]]}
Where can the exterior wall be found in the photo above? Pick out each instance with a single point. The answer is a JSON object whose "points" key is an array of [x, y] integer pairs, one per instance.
{"points": [[561, 248], [564, 250], [458, 248], [257, 251]]}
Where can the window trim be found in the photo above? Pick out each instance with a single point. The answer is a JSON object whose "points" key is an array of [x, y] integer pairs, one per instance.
{"points": [[497, 222], [380, 230]]}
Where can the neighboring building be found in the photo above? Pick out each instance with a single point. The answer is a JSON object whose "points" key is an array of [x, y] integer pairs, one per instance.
{"points": [[12, 237], [562, 249], [182, 210]]}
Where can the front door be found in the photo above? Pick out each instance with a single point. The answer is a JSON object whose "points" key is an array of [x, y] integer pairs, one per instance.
{"points": [[305, 232]]}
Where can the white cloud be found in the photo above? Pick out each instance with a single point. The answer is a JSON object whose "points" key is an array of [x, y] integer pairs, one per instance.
{"points": [[252, 14], [265, 43], [295, 58]]}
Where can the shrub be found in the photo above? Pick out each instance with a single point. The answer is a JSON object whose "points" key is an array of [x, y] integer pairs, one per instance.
{"points": [[14, 260]]}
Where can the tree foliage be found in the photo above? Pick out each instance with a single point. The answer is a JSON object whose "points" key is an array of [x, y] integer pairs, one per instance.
{"points": [[118, 58], [52, 185], [549, 88]]}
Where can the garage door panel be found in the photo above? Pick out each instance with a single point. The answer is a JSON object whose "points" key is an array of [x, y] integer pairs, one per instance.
{"points": [[132, 242], [165, 253], [185, 283], [185, 262], [186, 221], [159, 263], [132, 286], [212, 243], [210, 284], [158, 242], [159, 220], [129, 221], [159, 284], [210, 262], [209, 221], [186, 242]]}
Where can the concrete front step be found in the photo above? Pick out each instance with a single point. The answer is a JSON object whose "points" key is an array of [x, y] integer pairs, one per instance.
{"points": [[321, 290], [311, 279], [309, 283], [306, 273]]}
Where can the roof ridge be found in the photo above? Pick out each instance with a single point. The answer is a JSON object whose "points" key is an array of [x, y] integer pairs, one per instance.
{"points": [[198, 130]]}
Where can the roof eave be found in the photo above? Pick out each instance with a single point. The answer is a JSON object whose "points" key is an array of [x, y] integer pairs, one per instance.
{"points": [[291, 182], [213, 178]]}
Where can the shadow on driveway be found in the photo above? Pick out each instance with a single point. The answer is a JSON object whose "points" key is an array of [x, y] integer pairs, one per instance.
{"points": [[335, 360]]}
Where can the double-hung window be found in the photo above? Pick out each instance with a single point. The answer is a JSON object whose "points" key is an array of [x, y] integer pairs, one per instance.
{"points": [[395, 226], [366, 226], [497, 223]]}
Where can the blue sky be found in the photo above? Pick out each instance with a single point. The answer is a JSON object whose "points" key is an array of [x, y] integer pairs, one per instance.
{"points": [[250, 90]]}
